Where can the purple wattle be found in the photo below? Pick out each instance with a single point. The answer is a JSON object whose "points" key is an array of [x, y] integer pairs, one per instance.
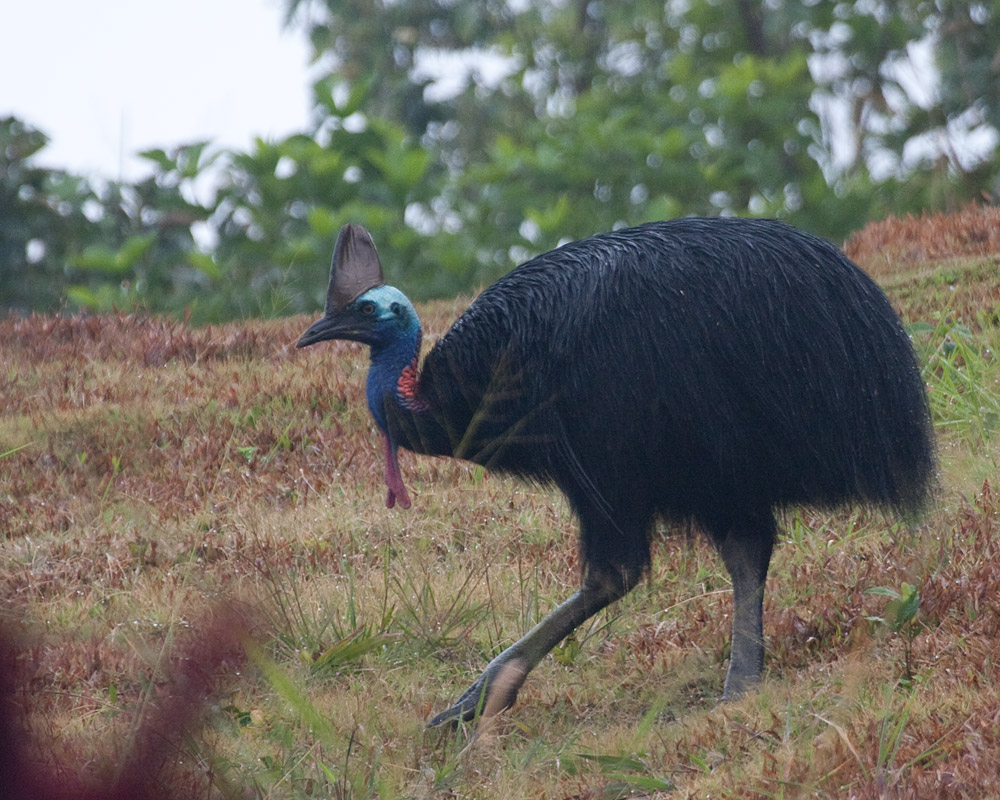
{"points": [[393, 478]]}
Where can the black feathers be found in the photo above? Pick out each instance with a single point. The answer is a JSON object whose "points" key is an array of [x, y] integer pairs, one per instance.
{"points": [[355, 268], [698, 367], [709, 369]]}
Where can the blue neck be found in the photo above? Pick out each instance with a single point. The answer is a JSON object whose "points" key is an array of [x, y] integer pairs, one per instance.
{"points": [[388, 360]]}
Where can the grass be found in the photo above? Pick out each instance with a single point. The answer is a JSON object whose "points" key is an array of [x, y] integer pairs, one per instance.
{"points": [[194, 553]]}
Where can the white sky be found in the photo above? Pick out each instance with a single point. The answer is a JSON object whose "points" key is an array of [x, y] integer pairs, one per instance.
{"points": [[107, 78]]}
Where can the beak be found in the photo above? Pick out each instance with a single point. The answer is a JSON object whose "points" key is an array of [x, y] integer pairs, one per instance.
{"points": [[335, 326]]}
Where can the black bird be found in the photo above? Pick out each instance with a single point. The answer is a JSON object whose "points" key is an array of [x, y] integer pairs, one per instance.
{"points": [[714, 370]]}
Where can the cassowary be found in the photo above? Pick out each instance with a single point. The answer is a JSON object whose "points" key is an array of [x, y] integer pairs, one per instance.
{"points": [[712, 370]]}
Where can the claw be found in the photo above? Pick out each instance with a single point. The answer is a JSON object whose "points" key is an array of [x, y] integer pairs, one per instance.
{"points": [[472, 703], [494, 691]]}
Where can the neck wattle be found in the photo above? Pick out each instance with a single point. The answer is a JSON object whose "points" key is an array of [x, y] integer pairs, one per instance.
{"points": [[392, 380], [392, 377]]}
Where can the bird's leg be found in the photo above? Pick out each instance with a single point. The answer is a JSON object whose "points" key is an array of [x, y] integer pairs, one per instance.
{"points": [[496, 689], [393, 479], [746, 552]]}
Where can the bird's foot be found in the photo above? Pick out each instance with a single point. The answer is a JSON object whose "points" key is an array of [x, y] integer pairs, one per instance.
{"points": [[740, 683], [495, 690]]}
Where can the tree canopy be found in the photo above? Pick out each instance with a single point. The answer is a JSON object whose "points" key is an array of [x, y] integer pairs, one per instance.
{"points": [[470, 136]]}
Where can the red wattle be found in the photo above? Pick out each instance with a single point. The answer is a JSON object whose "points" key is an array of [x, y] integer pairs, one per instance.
{"points": [[393, 478]]}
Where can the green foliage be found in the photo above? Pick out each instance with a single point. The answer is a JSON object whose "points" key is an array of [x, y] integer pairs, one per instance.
{"points": [[567, 118], [10, 451], [901, 610], [900, 618], [43, 219], [957, 365]]}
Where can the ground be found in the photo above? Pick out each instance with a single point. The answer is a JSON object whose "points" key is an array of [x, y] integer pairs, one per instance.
{"points": [[205, 596]]}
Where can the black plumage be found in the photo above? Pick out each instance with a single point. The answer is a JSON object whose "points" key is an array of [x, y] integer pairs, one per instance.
{"points": [[705, 369]]}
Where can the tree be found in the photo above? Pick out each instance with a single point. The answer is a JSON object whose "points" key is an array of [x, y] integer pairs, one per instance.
{"points": [[65, 239], [42, 221], [559, 118], [610, 113], [918, 83]]}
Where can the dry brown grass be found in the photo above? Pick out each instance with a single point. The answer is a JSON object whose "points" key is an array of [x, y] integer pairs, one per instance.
{"points": [[168, 472], [897, 245]]}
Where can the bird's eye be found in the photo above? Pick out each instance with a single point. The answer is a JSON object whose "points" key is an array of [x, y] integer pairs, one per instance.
{"points": [[367, 308]]}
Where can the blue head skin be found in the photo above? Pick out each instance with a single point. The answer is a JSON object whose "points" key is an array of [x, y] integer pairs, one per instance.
{"points": [[394, 337], [385, 320]]}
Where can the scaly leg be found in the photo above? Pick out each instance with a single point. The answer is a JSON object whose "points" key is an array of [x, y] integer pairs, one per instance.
{"points": [[746, 552], [513, 664], [496, 689]]}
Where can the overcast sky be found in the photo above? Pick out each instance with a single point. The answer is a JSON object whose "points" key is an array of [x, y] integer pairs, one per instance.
{"points": [[108, 78]]}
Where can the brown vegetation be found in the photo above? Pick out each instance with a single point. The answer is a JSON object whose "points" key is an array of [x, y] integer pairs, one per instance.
{"points": [[153, 474], [899, 244]]}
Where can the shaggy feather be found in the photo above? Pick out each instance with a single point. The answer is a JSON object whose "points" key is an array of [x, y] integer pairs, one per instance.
{"points": [[703, 368], [709, 369]]}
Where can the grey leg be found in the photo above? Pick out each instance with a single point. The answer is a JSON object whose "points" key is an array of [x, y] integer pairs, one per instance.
{"points": [[496, 689], [746, 552]]}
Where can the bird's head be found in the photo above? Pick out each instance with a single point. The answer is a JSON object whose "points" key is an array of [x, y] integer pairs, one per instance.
{"points": [[359, 306], [378, 318]]}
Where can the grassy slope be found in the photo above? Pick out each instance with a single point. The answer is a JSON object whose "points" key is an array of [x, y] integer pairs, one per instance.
{"points": [[169, 473]]}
